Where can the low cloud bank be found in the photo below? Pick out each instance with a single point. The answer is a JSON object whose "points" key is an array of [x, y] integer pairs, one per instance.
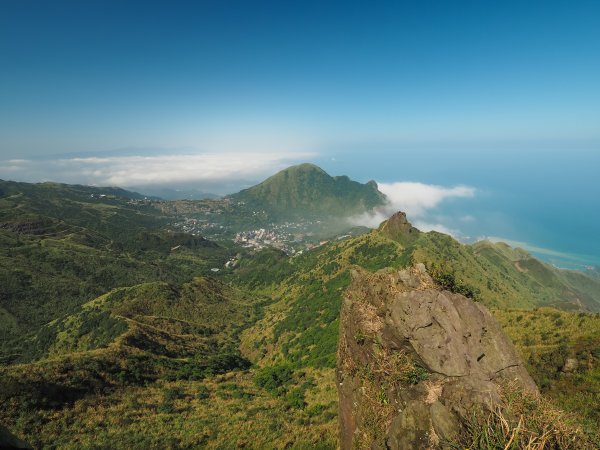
{"points": [[206, 168], [417, 200]]}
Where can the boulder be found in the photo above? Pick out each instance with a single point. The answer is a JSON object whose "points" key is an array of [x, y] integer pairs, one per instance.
{"points": [[415, 360]]}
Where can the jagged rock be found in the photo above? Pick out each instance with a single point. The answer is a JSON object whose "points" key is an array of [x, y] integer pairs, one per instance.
{"points": [[414, 360], [399, 228]]}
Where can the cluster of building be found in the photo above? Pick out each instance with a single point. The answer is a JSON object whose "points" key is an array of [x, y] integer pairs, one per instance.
{"points": [[225, 219], [262, 237], [199, 227]]}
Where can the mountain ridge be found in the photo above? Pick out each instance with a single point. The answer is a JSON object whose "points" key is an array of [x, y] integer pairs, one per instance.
{"points": [[139, 325], [307, 190]]}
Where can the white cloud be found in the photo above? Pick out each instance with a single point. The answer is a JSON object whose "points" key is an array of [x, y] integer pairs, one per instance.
{"points": [[211, 168], [417, 200], [427, 226]]}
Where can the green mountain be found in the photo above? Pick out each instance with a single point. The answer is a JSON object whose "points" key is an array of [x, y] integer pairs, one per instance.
{"points": [[306, 191], [117, 332], [301, 327]]}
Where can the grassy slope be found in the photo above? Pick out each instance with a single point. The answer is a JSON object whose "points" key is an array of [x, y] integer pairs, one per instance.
{"points": [[155, 334], [302, 323], [547, 338], [507, 278], [222, 412], [61, 247], [301, 327], [146, 383]]}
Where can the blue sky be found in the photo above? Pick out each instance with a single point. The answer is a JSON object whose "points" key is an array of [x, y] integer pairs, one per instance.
{"points": [[500, 96], [103, 75]]}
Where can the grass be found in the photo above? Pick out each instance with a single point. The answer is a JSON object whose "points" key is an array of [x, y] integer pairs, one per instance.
{"points": [[524, 421], [135, 347], [546, 339], [220, 412]]}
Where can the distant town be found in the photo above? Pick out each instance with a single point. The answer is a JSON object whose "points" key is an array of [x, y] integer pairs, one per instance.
{"points": [[225, 219]]}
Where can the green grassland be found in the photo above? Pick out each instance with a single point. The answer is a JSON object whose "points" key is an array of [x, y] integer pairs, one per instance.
{"points": [[300, 328], [548, 339], [507, 279], [224, 412], [116, 333], [61, 246]]}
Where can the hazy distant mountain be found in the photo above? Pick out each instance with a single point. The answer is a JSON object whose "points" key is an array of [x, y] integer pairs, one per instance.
{"points": [[35, 190], [171, 193], [306, 190]]}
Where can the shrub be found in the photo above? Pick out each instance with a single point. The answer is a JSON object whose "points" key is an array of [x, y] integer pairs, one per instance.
{"points": [[522, 421], [274, 378], [203, 392], [295, 398], [416, 374]]}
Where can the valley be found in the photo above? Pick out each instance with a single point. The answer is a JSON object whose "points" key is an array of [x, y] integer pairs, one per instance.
{"points": [[117, 331]]}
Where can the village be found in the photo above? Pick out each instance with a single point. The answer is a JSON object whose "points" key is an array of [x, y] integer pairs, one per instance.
{"points": [[290, 237]]}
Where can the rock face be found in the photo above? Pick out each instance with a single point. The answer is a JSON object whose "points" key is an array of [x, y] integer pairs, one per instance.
{"points": [[414, 360]]}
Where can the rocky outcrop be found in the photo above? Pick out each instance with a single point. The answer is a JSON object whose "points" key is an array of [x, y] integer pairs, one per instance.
{"points": [[399, 229], [415, 360]]}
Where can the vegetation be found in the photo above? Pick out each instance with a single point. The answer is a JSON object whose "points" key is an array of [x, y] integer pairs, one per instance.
{"points": [[525, 421], [562, 351], [306, 191], [501, 277], [115, 332], [231, 412]]}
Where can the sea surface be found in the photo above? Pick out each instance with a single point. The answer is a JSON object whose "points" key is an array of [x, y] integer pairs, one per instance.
{"points": [[547, 201]]}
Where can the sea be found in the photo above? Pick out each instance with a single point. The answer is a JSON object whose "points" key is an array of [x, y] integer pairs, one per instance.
{"points": [[544, 200]]}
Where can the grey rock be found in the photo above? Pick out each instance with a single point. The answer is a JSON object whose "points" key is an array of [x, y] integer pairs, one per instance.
{"points": [[456, 351]]}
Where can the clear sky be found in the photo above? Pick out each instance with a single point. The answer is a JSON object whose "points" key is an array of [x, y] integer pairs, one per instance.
{"points": [[486, 94], [215, 75]]}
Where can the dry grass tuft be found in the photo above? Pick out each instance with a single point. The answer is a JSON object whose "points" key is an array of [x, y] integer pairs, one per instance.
{"points": [[524, 421]]}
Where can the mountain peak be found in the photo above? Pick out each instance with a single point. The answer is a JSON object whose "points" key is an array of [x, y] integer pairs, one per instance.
{"points": [[306, 190], [304, 167], [399, 228]]}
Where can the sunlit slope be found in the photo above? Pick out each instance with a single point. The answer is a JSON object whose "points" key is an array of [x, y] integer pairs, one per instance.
{"points": [[186, 331], [141, 366], [302, 324], [191, 319], [562, 352], [61, 246], [300, 329]]}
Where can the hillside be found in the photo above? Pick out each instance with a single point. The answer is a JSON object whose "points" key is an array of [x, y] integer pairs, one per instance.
{"points": [[117, 332], [155, 333], [420, 367], [61, 246], [301, 327], [307, 191]]}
